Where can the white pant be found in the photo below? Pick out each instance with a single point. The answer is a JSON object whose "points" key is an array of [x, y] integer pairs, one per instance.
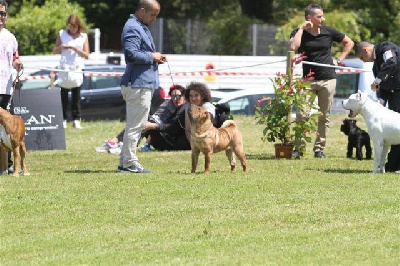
{"points": [[138, 101]]}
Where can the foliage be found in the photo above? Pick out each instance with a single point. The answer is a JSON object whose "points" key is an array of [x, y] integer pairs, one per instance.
{"points": [[74, 209], [276, 115], [395, 30], [230, 36], [36, 28], [373, 21], [343, 21]]}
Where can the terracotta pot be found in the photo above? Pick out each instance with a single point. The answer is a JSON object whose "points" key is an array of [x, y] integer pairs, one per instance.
{"points": [[283, 151]]}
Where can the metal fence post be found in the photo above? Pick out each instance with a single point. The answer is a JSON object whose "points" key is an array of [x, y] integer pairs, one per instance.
{"points": [[254, 39], [160, 34], [188, 35]]}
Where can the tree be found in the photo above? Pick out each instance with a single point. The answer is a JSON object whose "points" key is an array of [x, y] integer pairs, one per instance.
{"points": [[38, 35], [374, 20], [230, 36], [261, 9]]}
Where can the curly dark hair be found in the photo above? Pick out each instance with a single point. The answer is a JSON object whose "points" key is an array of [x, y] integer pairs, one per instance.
{"points": [[201, 88]]}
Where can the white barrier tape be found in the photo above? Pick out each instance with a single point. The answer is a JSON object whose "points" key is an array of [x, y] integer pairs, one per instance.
{"points": [[33, 77], [185, 74], [339, 69], [215, 73], [210, 72]]}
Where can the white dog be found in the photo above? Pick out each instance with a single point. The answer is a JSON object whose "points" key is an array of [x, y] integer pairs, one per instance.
{"points": [[383, 125]]}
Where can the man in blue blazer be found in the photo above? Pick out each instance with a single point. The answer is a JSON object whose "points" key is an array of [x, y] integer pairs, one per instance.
{"points": [[139, 80]]}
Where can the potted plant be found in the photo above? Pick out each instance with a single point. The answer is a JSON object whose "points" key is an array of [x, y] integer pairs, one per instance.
{"points": [[278, 114]]}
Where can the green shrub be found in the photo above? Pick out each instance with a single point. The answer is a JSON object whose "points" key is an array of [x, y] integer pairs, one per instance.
{"points": [[36, 28]]}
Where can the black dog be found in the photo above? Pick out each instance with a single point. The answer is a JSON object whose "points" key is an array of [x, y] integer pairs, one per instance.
{"points": [[357, 139]]}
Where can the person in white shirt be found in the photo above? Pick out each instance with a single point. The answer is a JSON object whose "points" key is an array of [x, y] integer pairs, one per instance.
{"points": [[73, 45]]}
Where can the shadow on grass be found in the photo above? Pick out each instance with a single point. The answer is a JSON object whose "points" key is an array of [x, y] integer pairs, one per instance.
{"points": [[87, 171], [260, 156], [344, 171]]}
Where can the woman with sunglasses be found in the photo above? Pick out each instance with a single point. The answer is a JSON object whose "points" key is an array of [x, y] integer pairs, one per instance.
{"points": [[165, 129], [73, 45]]}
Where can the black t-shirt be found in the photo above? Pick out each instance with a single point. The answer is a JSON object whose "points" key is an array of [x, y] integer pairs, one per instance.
{"points": [[318, 50]]}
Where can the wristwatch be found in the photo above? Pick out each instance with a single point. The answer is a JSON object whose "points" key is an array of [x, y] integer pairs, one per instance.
{"points": [[339, 61]]}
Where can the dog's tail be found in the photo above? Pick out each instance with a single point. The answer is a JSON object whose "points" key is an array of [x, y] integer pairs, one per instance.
{"points": [[228, 123]]}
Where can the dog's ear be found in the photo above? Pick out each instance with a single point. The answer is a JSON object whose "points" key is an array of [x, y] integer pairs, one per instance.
{"points": [[208, 115], [359, 96]]}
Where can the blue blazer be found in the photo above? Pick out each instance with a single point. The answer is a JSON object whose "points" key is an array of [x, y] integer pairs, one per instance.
{"points": [[138, 45]]}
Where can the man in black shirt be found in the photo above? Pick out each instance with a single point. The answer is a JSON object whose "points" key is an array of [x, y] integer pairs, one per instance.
{"points": [[314, 39], [386, 69]]}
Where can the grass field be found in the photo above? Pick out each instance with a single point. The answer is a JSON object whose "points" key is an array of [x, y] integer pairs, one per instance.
{"points": [[75, 208]]}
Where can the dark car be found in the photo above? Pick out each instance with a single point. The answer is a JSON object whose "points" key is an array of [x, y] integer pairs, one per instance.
{"points": [[100, 93]]}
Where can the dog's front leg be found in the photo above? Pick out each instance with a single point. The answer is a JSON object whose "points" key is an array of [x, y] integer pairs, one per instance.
{"points": [[22, 149], [385, 151], [378, 150], [359, 154], [207, 162], [349, 149], [195, 159], [3, 159], [17, 158]]}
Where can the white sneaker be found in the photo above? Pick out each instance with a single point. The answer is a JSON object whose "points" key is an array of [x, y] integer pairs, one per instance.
{"points": [[77, 124], [116, 150], [106, 146], [65, 124]]}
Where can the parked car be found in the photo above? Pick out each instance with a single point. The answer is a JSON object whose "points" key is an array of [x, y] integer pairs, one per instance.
{"points": [[243, 101], [217, 95], [100, 95]]}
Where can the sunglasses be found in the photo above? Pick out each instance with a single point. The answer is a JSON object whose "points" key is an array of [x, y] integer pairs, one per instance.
{"points": [[73, 25], [176, 96], [3, 13]]}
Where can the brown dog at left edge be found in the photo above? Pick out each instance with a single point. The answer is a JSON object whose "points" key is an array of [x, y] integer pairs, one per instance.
{"points": [[207, 139], [12, 138]]}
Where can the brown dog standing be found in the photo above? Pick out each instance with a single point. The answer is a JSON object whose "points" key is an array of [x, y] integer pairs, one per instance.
{"points": [[207, 139], [12, 138]]}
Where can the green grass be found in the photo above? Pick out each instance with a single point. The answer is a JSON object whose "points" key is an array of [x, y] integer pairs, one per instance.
{"points": [[75, 209]]}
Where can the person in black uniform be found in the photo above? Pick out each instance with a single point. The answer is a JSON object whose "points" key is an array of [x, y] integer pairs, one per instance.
{"points": [[386, 69]]}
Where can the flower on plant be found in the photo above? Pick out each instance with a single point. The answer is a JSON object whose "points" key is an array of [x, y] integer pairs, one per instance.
{"points": [[298, 59], [310, 76], [292, 94]]}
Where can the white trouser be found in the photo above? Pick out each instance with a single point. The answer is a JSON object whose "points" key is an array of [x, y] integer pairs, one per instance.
{"points": [[138, 101]]}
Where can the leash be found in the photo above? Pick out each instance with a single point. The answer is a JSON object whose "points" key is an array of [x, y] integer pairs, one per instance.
{"points": [[17, 85], [170, 73]]}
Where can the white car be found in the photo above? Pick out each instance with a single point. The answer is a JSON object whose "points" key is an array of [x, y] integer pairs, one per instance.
{"points": [[243, 101]]}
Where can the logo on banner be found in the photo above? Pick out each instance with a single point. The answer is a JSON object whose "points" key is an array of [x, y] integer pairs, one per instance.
{"points": [[210, 76], [36, 121]]}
